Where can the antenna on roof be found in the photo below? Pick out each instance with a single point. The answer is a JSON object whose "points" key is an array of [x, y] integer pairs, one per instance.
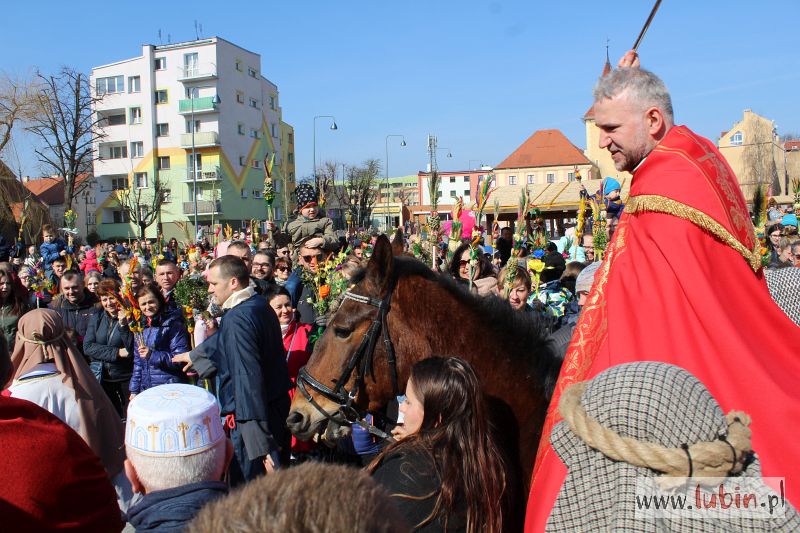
{"points": [[607, 41], [169, 39], [160, 40], [196, 31], [201, 28]]}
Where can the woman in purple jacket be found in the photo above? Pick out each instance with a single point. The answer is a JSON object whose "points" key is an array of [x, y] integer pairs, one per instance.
{"points": [[163, 337]]}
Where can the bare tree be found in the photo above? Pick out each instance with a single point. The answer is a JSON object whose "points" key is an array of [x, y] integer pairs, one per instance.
{"points": [[67, 128], [17, 105], [362, 190], [758, 157], [143, 205]]}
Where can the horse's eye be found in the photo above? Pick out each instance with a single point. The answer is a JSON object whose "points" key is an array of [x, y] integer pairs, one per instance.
{"points": [[341, 332]]}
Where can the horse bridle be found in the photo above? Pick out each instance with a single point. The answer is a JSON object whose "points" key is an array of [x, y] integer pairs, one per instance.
{"points": [[361, 361]]}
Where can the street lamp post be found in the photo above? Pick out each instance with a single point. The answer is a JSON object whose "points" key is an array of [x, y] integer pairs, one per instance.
{"points": [[333, 127], [402, 143], [215, 101]]}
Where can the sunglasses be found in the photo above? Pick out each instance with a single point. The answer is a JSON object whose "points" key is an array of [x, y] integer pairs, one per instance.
{"points": [[463, 263], [309, 258], [281, 269]]}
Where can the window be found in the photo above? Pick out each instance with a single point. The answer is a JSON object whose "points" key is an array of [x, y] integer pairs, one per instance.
{"points": [[240, 97], [120, 217], [466, 179], [117, 152], [162, 130], [551, 177], [244, 193], [290, 157], [116, 120], [91, 219], [161, 63], [512, 180], [163, 163], [167, 195], [189, 126], [140, 179], [737, 138], [272, 102], [136, 115], [466, 193], [240, 128], [531, 179], [254, 103], [273, 130], [242, 161], [257, 193], [239, 66], [251, 72], [452, 179], [438, 194], [110, 85], [570, 176], [190, 64], [291, 138], [137, 149], [161, 96], [255, 134], [452, 194], [120, 183], [134, 84], [255, 163]]}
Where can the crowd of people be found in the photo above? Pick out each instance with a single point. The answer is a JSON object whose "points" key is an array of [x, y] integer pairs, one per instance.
{"points": [[127, 406]]}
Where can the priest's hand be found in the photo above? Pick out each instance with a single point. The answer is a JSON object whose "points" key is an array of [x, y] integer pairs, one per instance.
{"points": [[629, 60], [183, 358]]}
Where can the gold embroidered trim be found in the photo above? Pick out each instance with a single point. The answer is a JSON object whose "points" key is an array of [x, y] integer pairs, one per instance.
{"points": [[668, 206]]}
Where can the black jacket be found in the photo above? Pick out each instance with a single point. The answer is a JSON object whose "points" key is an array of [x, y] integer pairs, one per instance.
{"points": [[102, 343], [75, 317]]}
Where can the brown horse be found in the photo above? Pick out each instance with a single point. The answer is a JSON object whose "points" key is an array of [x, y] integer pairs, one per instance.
{"points": [[428, 314]]}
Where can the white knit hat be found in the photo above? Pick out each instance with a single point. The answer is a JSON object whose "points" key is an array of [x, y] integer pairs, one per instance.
{"points": [[173, 420]]}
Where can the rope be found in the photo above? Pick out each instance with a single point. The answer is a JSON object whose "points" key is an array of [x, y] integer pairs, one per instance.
{"points": [[702, 459], [38, 340]]}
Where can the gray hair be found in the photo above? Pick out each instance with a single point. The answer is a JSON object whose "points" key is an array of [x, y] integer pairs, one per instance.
{"points": [[161, 473], [642, 85]]}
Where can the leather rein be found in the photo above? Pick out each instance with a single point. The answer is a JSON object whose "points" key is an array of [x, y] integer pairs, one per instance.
{"points": [[360, 361]]}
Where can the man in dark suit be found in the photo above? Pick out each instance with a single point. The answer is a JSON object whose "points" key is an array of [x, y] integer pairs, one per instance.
{"points": [[247, 355]]}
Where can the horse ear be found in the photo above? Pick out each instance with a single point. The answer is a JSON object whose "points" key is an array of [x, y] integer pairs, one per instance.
{"points": [[380, 264], [398, 245]]}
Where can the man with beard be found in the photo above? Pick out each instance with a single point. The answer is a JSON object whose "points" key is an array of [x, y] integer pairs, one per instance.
{"points": [[681, 282]]}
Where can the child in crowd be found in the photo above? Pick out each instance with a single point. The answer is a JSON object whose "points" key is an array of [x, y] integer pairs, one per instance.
{"points": [[52, 248], [308, 223]]}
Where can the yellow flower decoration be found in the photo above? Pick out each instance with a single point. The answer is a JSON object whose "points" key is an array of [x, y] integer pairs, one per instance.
{"points": [[536, 265]]}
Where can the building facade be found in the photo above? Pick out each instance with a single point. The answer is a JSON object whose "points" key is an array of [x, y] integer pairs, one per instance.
{"points": [[200, 118], [756, 155]]}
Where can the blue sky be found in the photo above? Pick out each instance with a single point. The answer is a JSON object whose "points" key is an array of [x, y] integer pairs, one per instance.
{"points": [[482, 76]]}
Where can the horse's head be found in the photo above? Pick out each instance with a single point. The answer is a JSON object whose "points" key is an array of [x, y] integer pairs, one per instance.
{"points": [[349, 359]]}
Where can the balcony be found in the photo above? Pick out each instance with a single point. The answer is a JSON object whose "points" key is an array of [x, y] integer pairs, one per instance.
{"points": [[204, 104], [204, 207], [204, 175], [198, 73], [201, 139]]}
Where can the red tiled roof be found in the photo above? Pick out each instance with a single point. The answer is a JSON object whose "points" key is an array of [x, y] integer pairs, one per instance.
{"points": [[545, 148], [791, 145], [606, 72], [51, 190]]}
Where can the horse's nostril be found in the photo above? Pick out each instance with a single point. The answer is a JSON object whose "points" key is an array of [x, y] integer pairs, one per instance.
{"points": [[295, 420]]}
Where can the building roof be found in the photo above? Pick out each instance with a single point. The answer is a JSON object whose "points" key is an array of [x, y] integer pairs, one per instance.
{"points": [[51, 190], [545, 148], [791, 145], [606, 71]]}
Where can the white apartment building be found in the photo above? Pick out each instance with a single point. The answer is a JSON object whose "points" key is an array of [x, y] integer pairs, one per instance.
{"points": [[201, 117]]}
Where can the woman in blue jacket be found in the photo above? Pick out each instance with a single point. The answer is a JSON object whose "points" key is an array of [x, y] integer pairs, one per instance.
{"points": [[164, 336]]}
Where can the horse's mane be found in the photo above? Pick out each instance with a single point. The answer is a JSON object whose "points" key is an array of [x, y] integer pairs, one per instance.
{"points": [[524, 336]]}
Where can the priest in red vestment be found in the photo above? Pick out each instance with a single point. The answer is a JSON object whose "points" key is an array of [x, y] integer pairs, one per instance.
{"points": [[681, 283]]}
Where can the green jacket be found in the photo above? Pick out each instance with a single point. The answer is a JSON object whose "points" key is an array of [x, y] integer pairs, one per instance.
{"points": [[301, 228]]}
